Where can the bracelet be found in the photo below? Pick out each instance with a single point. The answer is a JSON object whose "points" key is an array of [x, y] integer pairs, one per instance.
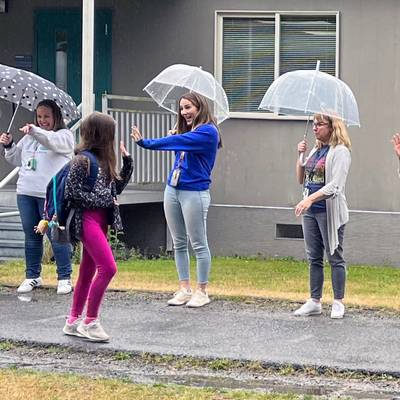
{"points": [[9, 145]]}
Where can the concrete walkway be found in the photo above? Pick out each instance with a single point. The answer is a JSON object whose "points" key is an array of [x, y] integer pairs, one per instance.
{"points": [[144, 323]]}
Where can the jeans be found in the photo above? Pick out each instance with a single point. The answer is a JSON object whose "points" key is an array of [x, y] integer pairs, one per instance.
{"points": [[31, 211], [315, 230], [186, 214]]}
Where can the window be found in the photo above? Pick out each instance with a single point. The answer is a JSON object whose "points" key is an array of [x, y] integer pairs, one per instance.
{"points": [[3, 6], [253, 49]]}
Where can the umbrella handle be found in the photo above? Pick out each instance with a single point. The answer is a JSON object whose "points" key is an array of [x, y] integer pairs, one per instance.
{"points": [[302, 155], [301, 159]]}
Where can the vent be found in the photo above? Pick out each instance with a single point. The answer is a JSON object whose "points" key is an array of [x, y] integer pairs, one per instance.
{"points": [[289, 231]]}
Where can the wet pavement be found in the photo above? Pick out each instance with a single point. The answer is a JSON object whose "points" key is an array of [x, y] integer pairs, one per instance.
{"points": [[143, 323]]}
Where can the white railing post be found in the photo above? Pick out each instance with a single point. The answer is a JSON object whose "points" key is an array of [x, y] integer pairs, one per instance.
{"points": [[104, 103], [87, 57]]}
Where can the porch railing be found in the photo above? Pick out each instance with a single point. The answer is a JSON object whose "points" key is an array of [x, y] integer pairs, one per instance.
{"points": [[150, 167]]}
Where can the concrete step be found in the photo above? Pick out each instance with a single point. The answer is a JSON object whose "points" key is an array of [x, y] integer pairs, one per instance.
{"points": [[8, 196], [12, 252], [12, 230], [6, 209]]}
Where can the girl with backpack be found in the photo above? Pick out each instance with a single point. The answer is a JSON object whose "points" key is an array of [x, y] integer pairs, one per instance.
{"points": [[94, 211], [45, 148], [187, 196]]}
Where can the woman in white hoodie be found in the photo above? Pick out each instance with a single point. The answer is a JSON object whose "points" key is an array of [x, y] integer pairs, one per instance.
{"points": [[45, 148], [324, 209]]}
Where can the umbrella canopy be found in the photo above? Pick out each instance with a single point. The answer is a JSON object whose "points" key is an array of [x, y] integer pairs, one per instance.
{"points": [[174, 81], [308, 92], [27, 89]]}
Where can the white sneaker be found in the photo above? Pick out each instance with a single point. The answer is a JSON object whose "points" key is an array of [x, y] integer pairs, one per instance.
{"points": [[29, 284], [337, 309], [182, 296], [71, 329], [64, 286], [310, 307], [93, 331], [199, 299]]}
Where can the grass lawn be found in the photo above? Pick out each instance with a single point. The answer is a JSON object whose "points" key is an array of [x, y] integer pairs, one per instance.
{"points": [[22, 384], [285, 279]]}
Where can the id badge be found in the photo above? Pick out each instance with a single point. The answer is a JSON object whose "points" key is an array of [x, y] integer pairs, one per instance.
{"points": [[31, 164], [175, 177], [306, 192]]}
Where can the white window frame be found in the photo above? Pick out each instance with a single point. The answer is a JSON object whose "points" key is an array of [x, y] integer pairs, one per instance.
{"points": [[218, 44]]}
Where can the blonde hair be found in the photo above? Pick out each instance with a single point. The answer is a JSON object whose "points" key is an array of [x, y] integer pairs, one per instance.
{"points": [[338, 129]]}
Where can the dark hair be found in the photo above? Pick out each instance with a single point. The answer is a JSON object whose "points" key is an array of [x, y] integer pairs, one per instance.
{"points": [[58, 118], [204, 115], [97, 135]]}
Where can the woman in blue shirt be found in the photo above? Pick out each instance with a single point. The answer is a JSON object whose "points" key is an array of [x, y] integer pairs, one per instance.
{"points": [[187, 196]]}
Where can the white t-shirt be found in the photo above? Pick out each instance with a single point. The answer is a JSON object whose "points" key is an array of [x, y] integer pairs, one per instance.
{"points": [[51, 150]]}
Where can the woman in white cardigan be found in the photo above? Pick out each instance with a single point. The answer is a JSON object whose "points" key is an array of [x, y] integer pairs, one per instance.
{"points": [[324, 209]]}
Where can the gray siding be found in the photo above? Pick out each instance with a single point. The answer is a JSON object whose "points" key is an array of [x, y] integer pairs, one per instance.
{"points": [[370, 238]]}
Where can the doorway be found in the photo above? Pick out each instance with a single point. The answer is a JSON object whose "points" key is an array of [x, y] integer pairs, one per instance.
{"points": [[58, 39]]}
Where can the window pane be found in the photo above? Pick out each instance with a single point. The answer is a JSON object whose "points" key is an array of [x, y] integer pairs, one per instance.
{"points": [[306, 39], [248, 61], [62, 60]]}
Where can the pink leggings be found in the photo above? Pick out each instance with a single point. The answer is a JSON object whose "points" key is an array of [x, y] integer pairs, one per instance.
{"points": [[97, 257]]}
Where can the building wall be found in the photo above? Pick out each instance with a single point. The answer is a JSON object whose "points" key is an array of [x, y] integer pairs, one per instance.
{"points": [[256, 165], [369, 63]]}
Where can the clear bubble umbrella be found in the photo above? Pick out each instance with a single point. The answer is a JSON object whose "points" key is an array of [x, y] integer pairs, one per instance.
{"points": [[27, 89], [309, 92], [174, 81]]}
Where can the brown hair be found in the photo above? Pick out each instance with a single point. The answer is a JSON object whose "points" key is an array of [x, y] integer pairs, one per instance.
{"points": [[204, 116], [55, 110], [97, 135], [338, 129]]}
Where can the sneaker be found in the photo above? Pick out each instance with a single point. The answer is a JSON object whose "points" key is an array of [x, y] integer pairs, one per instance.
{"points": [[310, 307], [337, 310], [29, 284], [64, 286], [72, 329], [199, 299], [93, 331], [182, 296]]}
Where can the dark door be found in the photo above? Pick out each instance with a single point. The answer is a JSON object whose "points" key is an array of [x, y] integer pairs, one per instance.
{"points": [[58, 35]]}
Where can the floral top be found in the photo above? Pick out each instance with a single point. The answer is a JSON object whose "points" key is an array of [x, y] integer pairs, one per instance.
{"points": [[103, 194]]}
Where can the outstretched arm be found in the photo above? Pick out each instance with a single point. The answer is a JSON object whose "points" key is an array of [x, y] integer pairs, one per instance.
{"points": [[126, 170], [202, 139], [61, 141]]}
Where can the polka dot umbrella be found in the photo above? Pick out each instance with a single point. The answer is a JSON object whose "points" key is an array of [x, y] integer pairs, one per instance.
{"points": [[27, 89]]}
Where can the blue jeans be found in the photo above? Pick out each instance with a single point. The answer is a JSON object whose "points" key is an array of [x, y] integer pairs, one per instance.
{"points": [[186, 214], [31, 211], [315, 230]]}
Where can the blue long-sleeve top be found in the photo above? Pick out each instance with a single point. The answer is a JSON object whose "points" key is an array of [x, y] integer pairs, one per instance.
{"points": [[200, 147]]}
